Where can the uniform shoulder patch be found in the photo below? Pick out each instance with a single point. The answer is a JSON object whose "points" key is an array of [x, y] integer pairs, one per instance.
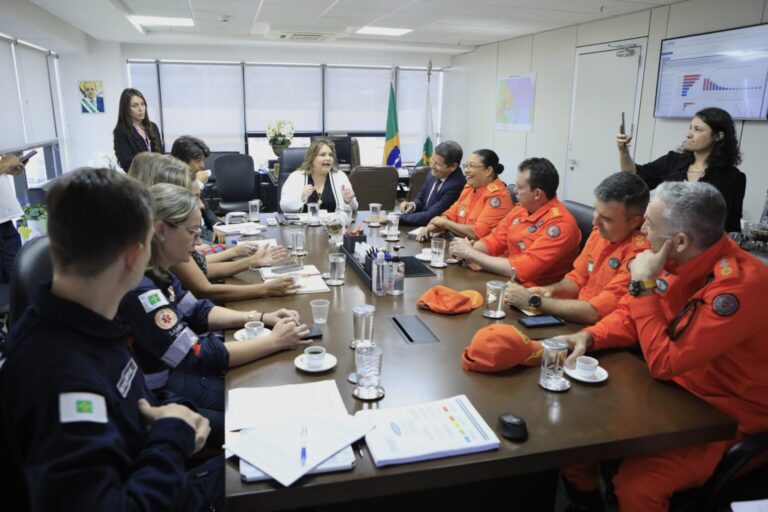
{"points": [[152, 300], [126, 377], [166, 319], [495, 202], [725, 304], [553, 231], [76, 407], [555, 211], [493, 187]]}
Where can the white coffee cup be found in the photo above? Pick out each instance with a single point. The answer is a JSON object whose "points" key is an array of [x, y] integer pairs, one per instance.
{"points": [[314, 356], [586, 366], [254, 329]]}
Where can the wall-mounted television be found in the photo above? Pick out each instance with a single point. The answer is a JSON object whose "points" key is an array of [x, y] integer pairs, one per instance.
{"points": [[726, 69]]}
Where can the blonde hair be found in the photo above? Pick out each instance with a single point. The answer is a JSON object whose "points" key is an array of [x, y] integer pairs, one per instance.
{"points": [[173, 205], [313, 151], [153, 168]]}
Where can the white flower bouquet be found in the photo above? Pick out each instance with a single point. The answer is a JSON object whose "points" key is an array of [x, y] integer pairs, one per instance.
{"points": [[280, 132]]}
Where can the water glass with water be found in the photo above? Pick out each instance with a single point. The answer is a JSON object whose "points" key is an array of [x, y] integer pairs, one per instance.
{"points": [[438, 252], [552, 364], [254, 208], [368, 369], [494, 299], [362, 324], [296, 237], [393, 224], [336, 268], [375, 209], [313, 209]]}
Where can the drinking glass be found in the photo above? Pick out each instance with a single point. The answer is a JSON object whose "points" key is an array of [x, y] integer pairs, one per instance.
{"points": [[368, 367], [375, 209], [393, 225], [494, 299], [254, 208], [314, 213], [334, 226], [552, 362], [336, 267], [362, 323], [296, 237], [438, 252], [320, 310]]}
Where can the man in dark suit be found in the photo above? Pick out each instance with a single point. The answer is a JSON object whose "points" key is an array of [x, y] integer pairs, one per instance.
{"points": [[442, 188]]}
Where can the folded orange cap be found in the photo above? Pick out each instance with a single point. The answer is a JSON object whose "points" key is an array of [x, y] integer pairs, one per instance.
{"points": [[499, 347], [446, 301]]}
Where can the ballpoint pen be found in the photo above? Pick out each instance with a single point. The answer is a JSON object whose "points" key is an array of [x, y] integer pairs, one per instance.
{"points": [[303, 445]]}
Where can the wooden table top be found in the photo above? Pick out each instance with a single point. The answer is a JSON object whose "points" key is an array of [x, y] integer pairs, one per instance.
{"points": [[629, 414]]}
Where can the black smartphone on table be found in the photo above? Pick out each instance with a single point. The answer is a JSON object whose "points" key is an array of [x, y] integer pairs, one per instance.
{"points": [[313, 334], [541, 321]]}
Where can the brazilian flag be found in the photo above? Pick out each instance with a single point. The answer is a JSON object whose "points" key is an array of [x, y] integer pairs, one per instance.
{"points": [[392, 144]]}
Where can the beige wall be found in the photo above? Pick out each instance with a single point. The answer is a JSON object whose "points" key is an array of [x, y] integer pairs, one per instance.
{"points": [[469, 94]]}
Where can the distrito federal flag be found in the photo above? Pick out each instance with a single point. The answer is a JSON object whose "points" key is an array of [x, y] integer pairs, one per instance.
{"points": [[427, 149], [392, 144]]}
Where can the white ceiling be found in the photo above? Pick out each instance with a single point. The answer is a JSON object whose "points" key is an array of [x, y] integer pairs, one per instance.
{"points": [[446, 26]]}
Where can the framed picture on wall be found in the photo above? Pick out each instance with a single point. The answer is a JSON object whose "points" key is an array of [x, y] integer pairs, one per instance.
{"points": [[92, 97]]}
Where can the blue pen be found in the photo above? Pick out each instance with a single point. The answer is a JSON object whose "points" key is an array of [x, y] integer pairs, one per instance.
{"points": [[303, 445]]}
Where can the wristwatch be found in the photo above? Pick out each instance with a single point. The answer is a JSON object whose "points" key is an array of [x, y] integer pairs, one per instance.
{"points": [[534, 301], [635, 288]]}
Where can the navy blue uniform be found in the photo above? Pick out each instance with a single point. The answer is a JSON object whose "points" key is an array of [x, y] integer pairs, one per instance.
{"points": [[165, 321], [71, 433]]}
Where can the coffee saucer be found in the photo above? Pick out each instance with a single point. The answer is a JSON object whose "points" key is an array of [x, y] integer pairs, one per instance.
{"points": [[451, 261], [242, 336], [438, 265], [423, 257], [601, 374], [301, 363]]}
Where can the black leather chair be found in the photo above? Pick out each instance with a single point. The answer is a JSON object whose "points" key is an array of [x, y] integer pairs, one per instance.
{"points": [[583, 215], [290, 160], [32, 268], [417, 180], [724, 486], [374, 185], [236, 181]]}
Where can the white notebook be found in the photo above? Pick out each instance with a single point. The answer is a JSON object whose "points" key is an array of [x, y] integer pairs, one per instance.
{"points": [[442, 428], [342, 461]]}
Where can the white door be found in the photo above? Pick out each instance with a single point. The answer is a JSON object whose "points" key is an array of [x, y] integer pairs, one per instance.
{"points": [[608, 82]]}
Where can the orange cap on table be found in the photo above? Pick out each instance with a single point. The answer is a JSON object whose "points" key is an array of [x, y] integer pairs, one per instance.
{"points": [[500, 347], [444, 300]]}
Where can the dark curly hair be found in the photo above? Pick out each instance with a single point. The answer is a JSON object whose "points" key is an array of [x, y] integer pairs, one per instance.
{"points": [[725, 152]]}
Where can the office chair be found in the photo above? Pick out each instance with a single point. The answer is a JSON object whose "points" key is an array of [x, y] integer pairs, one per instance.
{"points": [[32, 268], [583, 215], [289, 161], [725, 486], [374, 185], [236, 181], [416, 182]]}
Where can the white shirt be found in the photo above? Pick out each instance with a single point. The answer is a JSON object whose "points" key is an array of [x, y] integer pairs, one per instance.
{"points": [[9, 205]]}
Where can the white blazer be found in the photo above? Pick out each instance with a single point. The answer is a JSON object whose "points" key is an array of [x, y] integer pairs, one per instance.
{"points": [[290, 198]]}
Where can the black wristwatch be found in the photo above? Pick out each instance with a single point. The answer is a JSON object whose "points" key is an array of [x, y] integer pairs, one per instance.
{"points": [[635, 288], [534, 301]]}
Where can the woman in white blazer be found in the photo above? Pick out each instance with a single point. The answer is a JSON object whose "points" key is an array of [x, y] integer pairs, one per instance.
{"points": [[317, 181]]}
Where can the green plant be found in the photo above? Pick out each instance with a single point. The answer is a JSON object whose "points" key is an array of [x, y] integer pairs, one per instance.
{"points": [[34, 212]]}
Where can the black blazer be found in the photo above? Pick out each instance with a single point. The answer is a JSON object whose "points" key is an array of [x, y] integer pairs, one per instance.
{"points": [[447, 195], [128, 144]]}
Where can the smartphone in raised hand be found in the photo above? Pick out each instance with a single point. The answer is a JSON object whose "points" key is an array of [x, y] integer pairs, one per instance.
{"points": [[26, 157], [622, 129]]}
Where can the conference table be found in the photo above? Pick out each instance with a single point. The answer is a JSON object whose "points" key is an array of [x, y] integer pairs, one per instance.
{"points": [[629, 414]]}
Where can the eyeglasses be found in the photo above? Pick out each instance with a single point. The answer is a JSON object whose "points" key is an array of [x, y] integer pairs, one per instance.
{"points": [[194, 232], [468, 165]]}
